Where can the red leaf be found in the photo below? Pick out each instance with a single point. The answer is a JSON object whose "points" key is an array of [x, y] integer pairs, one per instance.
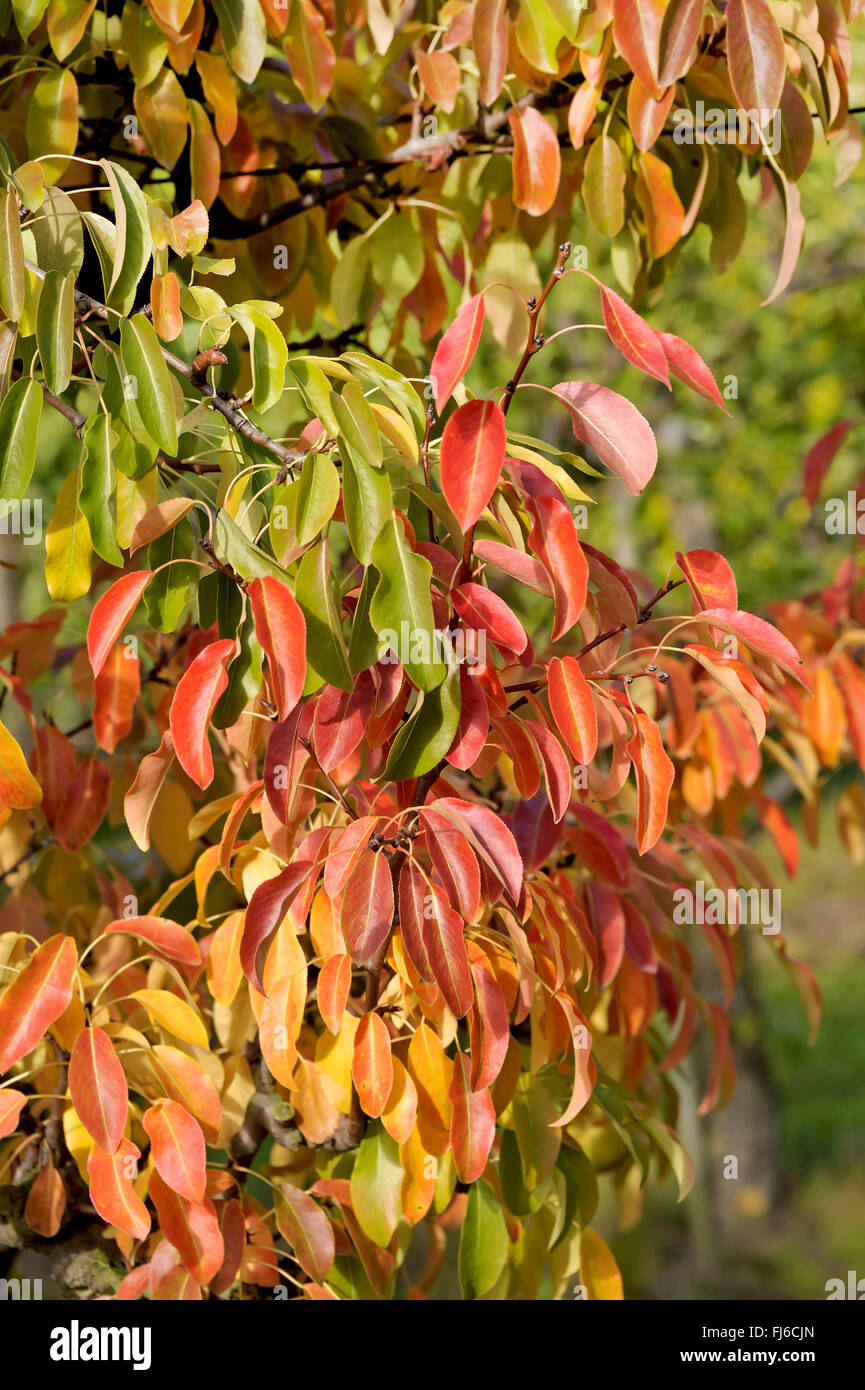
{"points": [[473, 1124], [710, 579], [177, 1145], [607, 918], [195, 699], [84, 806], [38, 995], [455, 351], [267, 907], [97, 1085], [620, 436], [633, 337], [53, 763], [115, 694], [759, 635], [413, 890], [490, 838], [334, 985], [484, 611], [111, 613], [281, 632], [474, 722], [490, 1012], [340, 720], [372, 1065], [454, 861], [517, 564], [169, 938], [112, 1191], [794, 231], [191, 1228], [537, 166], [367, 907], [655, 775], [755, 55], [443, 936], [140, 800], [554, 765], [233, 1227], [572, 705], [472, 454], [687, 364], [440, 75], [637, 32], [490, 42], [647, 114], [553, 538], [817, 460], [679, 31]]}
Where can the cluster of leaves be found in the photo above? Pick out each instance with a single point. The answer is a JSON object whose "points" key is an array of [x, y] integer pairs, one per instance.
{"points": [[479, 108], [397, 946]]}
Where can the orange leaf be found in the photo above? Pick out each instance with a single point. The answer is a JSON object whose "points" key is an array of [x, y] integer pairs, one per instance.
{"points": [[36, 997], [97, 1085], [372, 1065], [177, 1144]]}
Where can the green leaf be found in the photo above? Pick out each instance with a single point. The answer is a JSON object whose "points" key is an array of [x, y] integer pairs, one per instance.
{"points": [[316, 391], [402, 605], [376, 1185], [58, 233], [393, 385], [581, 1190], [244, 35], [97, 486], [19, 428], [483, 1248], [268, 354], [318, 494], [55, 329], [153, 394], [52, 120], [28, 13], [534, 1110], [233, 548], [325, 648], [135, 452], [169, 591], [8, 341], [363, 643], [357, 424], [12, 283], [428, 733], [68, 550], [103, 234], [603, 186], [244, 673], [397, 256], [134, 244], [367, 501]]}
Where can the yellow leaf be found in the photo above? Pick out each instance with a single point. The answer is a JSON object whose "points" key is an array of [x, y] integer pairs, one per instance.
{"points": [[18, 787], [599, 1272], [173, 1014], [68, 548]]}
